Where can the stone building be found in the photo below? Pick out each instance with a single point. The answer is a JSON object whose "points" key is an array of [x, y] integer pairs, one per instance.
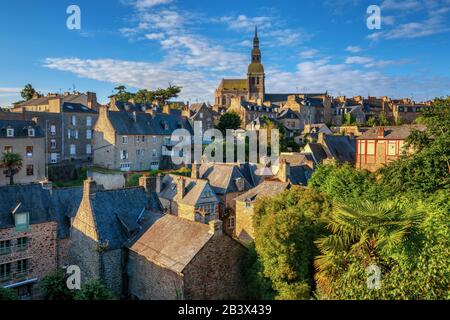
{"points": [[189, 198], [135, 141], [380, 145], [244, 230], [178, 259], [407, 111], [201, 112], [67, 120], [27, 139], [105, 220], [34, 227], [250, 111], [332, 148]]}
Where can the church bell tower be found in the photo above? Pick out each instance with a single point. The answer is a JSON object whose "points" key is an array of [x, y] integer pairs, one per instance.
{"points": [[255, 74]]}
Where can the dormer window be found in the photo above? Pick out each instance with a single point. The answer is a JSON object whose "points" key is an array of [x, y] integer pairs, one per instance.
{"points": [[10, 132], [22, 221], [31, 132]]}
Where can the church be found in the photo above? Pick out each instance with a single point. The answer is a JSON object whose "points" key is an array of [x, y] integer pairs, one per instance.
{"points": [[250, 93], [253, 88]]}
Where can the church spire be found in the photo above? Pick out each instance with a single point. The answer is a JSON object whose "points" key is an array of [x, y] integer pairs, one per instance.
{"points": [[256, 39]]}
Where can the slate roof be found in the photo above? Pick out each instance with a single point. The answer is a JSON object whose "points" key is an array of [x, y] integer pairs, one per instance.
{"points": [[20, 128], [288, 114], [32, 198], [296, 158], [75, 98], [300, 175], [77, 108], [317, 151], [66, 202], [193, 191], [137, 107], [222, 177], [120, 213], [268, 188], [171, 242], [173, 122], [391, 132], [342, 148], [124, 124]]}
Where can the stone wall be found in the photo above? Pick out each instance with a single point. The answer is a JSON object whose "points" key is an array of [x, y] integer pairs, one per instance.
{"points": [[148, 281], [41, 253], [215, 273], [112, 268], [244, 230]]}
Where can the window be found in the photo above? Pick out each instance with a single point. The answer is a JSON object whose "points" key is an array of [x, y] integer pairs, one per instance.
{"points": [[22, 243], [54, 158], [53, 144], [89, 121], [29, 151], [30, 170], [154, 140], [124, 154], [73, 149], [143, 139], [31, 132], [125, 140], [392, 148], [5, 271], [201, 115], [125, 166], [140, 152], [154, 153], [5, 247], [361, 146], [88, 149], [10, 132], [22, 267], [74, 120], [8, 149], [88, 134], [248, 204], [370, 147], [22, 221], [73, 134], [76, 134], [231, 222], [53, 130]]}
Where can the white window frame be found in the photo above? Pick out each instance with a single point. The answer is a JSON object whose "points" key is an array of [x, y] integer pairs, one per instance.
{"points": [[125, 140], [31, 132], [89, 121], [73, 150], [10, 132], [53, 130], [88, 134], [73, 120], [88, 149], [392, 152]]}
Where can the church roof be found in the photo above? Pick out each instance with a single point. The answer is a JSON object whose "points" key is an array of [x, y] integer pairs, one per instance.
{"points": [[234, 84], [255, 68]]}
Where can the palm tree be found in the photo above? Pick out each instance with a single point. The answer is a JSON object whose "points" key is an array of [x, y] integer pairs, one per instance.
{"points": [[12, 162], [363, 230]]}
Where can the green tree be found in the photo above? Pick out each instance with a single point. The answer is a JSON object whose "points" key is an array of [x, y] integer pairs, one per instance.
{"points": [[12, 162], [361, 235], [7, 294], [427, 169], [28, 92], [285, 230], [229, 120], [54, 287], [94, 290]]}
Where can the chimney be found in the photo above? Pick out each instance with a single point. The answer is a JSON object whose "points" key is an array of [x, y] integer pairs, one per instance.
{"points": [[380, 132], [166, 109], [186, 112], [284, 171], [195, 171], [91, 100], [134, 116], [89, 188], [148, 183], [104, 112], [151, 111], [216, 227], [321, 138], [181, 188], [112, 101], [240, 184], [158, 183]]}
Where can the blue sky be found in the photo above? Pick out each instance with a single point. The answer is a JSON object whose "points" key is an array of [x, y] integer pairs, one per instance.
{"points": [[307, 45]]}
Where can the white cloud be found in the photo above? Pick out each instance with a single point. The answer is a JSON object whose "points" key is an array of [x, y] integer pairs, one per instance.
{"points": [[144, 4], [244, 23], [310, 53], [435, 21], [369, 62], [353, 49]]}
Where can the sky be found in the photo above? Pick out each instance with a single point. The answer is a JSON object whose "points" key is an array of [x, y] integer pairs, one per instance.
{"points": [[307, 46]]}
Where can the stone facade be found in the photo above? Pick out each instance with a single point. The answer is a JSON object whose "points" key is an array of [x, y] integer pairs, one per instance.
{"points": [[30, 148], [40, 252]]}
